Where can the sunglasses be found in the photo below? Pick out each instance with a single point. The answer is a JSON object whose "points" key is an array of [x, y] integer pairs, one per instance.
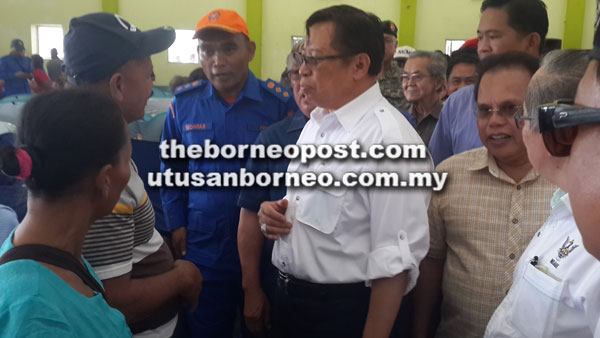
{"points": [[558, 124]]}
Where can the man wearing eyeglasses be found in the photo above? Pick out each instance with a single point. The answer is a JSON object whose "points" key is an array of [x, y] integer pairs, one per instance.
{"points": [[483, 219], [423, 81], [555, 291], [505, 25], [232, 107], [346, 256]]}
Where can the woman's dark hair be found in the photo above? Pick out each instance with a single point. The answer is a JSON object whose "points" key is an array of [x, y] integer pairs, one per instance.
{"points": [[37, 62], [355, 32], [69, 134]]}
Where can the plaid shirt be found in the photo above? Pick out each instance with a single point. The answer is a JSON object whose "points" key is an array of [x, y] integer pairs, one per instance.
{"points": [[480, 224]]}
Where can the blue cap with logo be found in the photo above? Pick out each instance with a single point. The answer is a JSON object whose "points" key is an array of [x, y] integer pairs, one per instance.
{"points": [[17, 44], [98, 44]]}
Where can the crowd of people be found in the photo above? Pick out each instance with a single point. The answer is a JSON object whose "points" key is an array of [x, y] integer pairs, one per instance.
{"points": [[509, 248]]}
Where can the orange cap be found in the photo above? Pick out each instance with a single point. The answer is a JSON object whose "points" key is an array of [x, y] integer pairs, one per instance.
{"points": [[224, 19]]}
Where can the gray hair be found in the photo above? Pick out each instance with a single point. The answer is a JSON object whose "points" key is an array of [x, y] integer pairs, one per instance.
{"points": [[296, 48], [437, 66], [557, 78]]}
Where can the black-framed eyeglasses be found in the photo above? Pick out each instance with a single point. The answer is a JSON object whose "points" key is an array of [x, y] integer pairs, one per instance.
{"points": [[559, 122], [313, 61], [519, 118]]}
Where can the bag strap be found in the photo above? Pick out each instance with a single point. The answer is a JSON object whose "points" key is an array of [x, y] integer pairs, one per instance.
{"points": [[52, 256]]}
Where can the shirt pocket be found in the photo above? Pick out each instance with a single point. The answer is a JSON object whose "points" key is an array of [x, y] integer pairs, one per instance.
{"points": [[321, 208], [536, 303]]}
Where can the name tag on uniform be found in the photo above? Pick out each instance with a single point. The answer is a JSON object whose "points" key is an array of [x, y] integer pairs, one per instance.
{"points": [[198, 126]]}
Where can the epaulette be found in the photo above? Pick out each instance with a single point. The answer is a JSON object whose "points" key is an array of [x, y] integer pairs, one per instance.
{"points": [[276, 89], [387, 121], [189, 86]]}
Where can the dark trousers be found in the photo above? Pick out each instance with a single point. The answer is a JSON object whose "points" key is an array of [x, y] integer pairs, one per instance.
{"points": [[302, 309], [217, 308]]}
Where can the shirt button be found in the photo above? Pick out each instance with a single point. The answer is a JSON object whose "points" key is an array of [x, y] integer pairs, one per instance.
{"points": [[515, 221], [297, 198], [283, 263], [322, 134], [538, 234], [511, 256], [518, 187]]}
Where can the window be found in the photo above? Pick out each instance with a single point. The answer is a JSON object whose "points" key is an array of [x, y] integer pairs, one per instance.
{"points": [[184, 49], [452, 45], [46, 37]]}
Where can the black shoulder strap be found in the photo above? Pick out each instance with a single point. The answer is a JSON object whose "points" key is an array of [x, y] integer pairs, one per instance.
{"points": [[53, 256]]}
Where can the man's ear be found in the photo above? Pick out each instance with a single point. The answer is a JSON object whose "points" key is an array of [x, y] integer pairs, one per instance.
{"points": [[251, 50], [115, 86], [361, 64], [534, 41]]}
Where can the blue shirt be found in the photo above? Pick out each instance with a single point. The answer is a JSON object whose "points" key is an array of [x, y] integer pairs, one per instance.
{"points": [[456, 130], [14, 192], [35, 302], [211, 215], [8, 222], [283, 133], [9, 65]]}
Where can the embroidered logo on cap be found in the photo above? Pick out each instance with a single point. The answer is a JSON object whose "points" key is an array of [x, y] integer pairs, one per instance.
{"points": [[214, 16], [125, 24]]}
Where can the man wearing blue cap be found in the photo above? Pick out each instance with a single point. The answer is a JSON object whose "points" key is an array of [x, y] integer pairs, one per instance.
{"points": [[107, 54], [232, 107], [15, 70]]}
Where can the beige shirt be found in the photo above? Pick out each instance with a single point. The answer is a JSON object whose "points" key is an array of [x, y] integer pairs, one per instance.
{"points": [[480, 224]]}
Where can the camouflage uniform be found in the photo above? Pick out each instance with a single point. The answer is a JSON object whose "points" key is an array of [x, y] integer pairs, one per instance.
{"points": [[391, 87]]}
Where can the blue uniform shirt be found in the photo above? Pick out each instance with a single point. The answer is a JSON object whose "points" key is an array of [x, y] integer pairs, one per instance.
{"points": [[283, 133], [9, 65], [456, 130], [211, 215]]}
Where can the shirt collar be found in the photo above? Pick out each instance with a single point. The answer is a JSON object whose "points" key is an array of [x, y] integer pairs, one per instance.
{"points": [[251, 89], [353, 111], [435, 112], [561, 198], [486, 160], [298, 121]]}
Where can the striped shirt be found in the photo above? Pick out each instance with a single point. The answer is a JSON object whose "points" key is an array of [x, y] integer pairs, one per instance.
{"points": [[126, 237], [480, 225]]}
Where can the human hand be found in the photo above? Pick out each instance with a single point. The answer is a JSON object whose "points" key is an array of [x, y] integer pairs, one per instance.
{"points": [[179, 241], [257, 312], [271, 216], [190, 282]]}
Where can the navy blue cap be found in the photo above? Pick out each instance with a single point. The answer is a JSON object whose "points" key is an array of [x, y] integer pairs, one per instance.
{"points": [[98, 44], [17, 44], [390, 28]]}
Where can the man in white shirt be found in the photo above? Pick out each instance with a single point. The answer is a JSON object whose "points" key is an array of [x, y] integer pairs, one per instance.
{"points": [[339, 241], [555, 291]]}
